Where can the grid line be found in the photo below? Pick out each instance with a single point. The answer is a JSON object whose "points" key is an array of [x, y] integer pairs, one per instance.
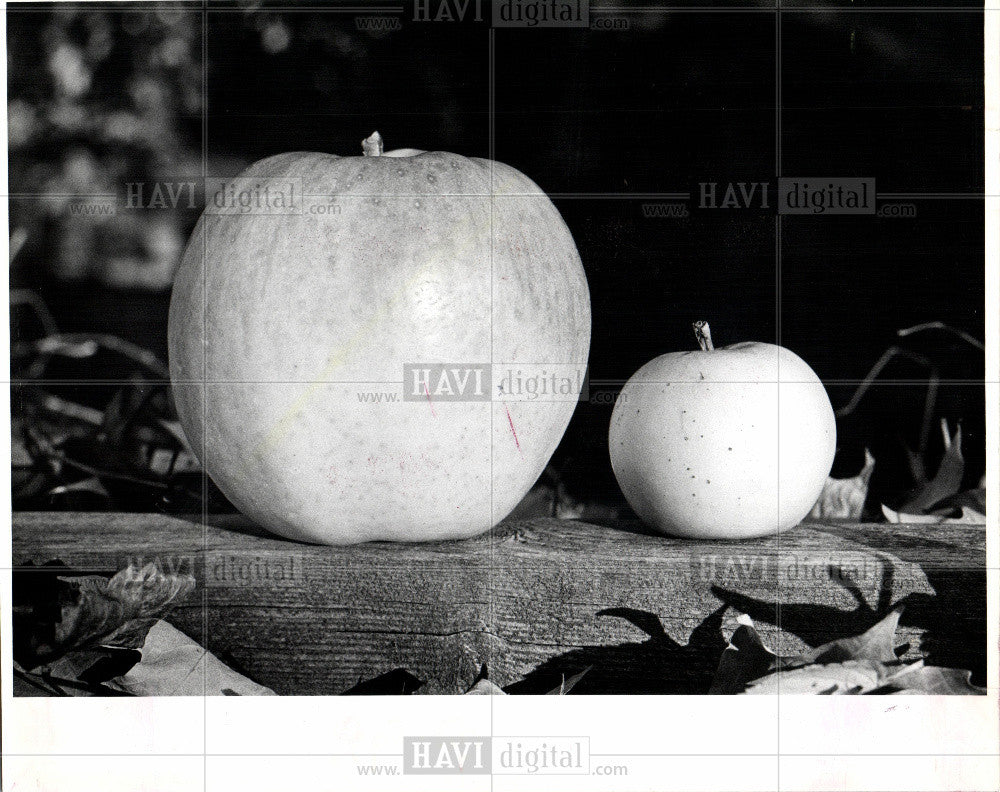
{"points": [[204, 390], [777, 335], [491, 123]]}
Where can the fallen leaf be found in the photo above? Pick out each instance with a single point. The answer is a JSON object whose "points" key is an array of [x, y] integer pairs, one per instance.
{"points": [[174, 665], [91, 485], [974, 499], [94, 666], [934, 681], [30, 685], [844, 499], [948, 479], [567, 684], [860, 665], [94, 611], [875, 645], [482, 686], [744, 659], [967, 517], [485, 688], [834, 679]]}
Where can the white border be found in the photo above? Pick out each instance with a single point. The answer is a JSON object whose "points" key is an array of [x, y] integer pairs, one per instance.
{"points": [[948, 743]]}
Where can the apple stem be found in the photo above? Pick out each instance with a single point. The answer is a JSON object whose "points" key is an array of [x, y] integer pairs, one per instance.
{"points": [[371, 146], [704, 335]]}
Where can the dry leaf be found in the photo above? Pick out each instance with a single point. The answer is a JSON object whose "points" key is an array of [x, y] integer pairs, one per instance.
{"points": [[844, 499], [948, 479], [485, 688], [482, 686], [174, 665], [567, 684], [967, 517], [974, 499], [835, 679], [861, 665], [875, 645], [94, 610], [744, 659], [933, 681]]}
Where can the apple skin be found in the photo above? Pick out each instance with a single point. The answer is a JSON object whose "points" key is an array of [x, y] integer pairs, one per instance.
{"points": [[707, 445], [280, 323]]}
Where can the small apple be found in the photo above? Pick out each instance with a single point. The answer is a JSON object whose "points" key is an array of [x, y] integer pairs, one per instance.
{"points": [[728, 443]]}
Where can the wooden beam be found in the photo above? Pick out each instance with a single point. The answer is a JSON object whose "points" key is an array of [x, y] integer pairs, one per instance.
{"points": [[535, 599]]}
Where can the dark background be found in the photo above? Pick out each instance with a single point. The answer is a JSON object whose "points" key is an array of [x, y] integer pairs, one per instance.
{"points": [[99, 98]]}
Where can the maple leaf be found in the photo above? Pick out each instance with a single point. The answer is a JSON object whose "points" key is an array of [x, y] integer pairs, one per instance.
{"points": [[92, 611]]}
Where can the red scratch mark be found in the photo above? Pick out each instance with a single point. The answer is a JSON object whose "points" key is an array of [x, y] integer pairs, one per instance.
{"points": [[429, 401], [513, 431]]}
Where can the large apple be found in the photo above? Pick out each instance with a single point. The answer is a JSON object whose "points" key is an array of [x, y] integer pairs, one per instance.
{"points": [[726, 443], [295, 330]]}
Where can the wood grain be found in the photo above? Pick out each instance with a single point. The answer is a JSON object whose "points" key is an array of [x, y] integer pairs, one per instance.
{"points": [[535, 599]]}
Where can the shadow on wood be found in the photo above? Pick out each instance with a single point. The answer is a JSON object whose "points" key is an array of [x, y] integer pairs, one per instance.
{"points": [[814, 623], [656, 666], [398, 682], [952, 620]]}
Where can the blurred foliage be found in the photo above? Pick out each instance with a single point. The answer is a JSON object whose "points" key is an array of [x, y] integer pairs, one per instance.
{"points": [[99, 100], [115, 98]]}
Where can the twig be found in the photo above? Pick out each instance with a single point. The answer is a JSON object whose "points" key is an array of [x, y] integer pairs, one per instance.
{"points": [[37, 304], [887, 357], [81, 345], [969, 339]]}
